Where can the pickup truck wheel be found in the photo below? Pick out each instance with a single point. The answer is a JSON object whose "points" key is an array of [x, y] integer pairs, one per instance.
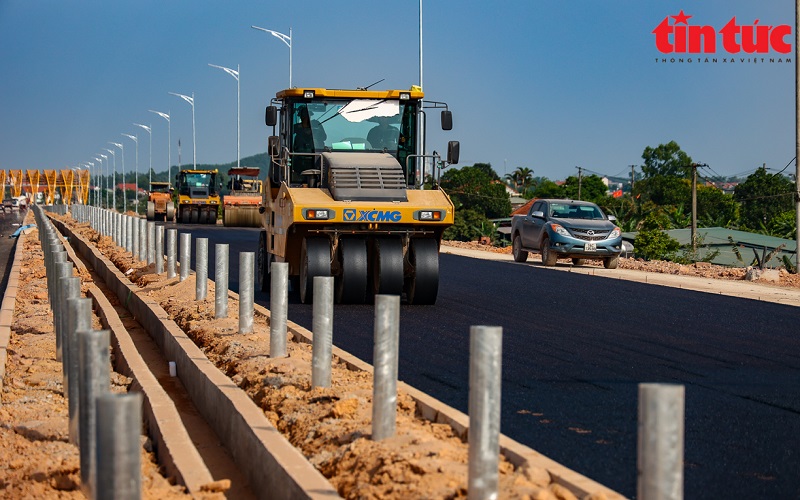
{"points": [[611, 262], [548, 256], [578, 262], [520, 255]]}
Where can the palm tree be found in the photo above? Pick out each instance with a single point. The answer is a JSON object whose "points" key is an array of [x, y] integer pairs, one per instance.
{"points": [[520, 178]]}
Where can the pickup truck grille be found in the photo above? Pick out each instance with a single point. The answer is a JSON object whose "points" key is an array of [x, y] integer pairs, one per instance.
{"points": [[583, 234]]}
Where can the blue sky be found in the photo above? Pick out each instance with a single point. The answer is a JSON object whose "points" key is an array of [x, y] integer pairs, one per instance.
{"points": [[544, 84]]}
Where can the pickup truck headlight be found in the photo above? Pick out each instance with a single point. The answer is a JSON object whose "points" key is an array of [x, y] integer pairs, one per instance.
{"points": [[558, 228], [614, 233]]}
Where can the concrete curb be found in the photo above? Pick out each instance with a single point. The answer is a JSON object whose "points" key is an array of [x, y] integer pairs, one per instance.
{"points": [[7, 307], [272, 465]]}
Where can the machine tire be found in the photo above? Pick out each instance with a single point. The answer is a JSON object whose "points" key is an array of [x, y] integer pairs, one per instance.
{"points": [[315, 260], [151, 210], [549, 257], [423, 286], [578, 262], [203, 217], [611, 262], [387, 267], [520, 255], [351, 286], [263, 262], [170, 215], [195, 216]]}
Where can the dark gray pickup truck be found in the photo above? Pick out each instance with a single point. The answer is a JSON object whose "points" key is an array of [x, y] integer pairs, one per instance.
{"points": [[566, 229]]}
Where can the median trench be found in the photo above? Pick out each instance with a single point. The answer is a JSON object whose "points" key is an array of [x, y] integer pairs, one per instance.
{"points": [[427, 458], [187, 447]]}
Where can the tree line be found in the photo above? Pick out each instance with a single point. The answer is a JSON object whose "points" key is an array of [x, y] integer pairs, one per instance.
{"points": [[660, 198]]}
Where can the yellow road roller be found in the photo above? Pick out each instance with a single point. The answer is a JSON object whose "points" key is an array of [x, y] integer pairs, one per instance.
{"points": [[351, 194], [198, 196], [240, 206]]}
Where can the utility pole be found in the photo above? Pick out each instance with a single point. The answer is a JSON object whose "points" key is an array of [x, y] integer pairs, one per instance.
{"points": [[633, 177], [580, 177]]}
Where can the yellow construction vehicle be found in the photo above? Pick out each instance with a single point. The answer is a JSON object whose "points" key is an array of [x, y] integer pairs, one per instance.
{"points": [[344, 194], [240, 206], [159, 202], [198, 196]]}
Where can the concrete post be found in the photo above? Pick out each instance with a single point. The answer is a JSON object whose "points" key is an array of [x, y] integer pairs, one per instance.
{"points": [[79, 318], [151, 242], [95, 381], [119, 474], [63, 271], [159, 249], [246, 291], [186, 254], [387, 340], [322, 343], [221, 267], [142, 239], [172, 252], [201, 268], [136, 236], [278, 308], [485, 371], [660, 442]]}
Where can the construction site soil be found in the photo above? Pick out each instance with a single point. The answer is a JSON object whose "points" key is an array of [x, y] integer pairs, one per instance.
{"points": [[331, 426]]}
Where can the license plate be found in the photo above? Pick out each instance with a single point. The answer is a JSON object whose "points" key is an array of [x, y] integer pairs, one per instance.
{"points": [[590, 247]]}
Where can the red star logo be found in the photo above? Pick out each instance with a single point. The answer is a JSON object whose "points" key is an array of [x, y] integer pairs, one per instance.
{"points": [[681, 18]]}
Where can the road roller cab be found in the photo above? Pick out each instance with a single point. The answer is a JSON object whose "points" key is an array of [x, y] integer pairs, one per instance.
{"points": [[159, 202], [198, 196], [350, 194], [240, 206]]}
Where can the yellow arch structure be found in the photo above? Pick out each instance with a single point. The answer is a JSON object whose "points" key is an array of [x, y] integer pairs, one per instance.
{"points": [[73, 185], [15, 180]]}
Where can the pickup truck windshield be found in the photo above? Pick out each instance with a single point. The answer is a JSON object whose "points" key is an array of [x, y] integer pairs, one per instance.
{"points": [[569, 211]]}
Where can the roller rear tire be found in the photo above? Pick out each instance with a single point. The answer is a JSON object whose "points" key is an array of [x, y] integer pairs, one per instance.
{"points": [[423, 286], [351, 286], [387, 267], [315, 260]]}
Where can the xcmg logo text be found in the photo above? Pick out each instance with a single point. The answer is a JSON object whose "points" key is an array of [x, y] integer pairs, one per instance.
{"points": [[674, 35], [372, 215]]}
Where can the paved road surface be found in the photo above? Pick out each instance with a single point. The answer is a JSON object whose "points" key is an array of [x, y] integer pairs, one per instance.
{"points": [[9, 222]]}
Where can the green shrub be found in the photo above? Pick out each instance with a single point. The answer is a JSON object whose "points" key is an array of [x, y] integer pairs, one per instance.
{"points": [[655, 244], [469, 225]]}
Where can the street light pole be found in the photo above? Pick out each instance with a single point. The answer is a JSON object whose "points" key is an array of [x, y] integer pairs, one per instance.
{"points": [[169, 142], [124, 198], [150, 173], [105, 157], [87, 163], [235, 74], [88, 186], [105, 178], [287, 39], [190, 100], [113, 181], [135, 139]]}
